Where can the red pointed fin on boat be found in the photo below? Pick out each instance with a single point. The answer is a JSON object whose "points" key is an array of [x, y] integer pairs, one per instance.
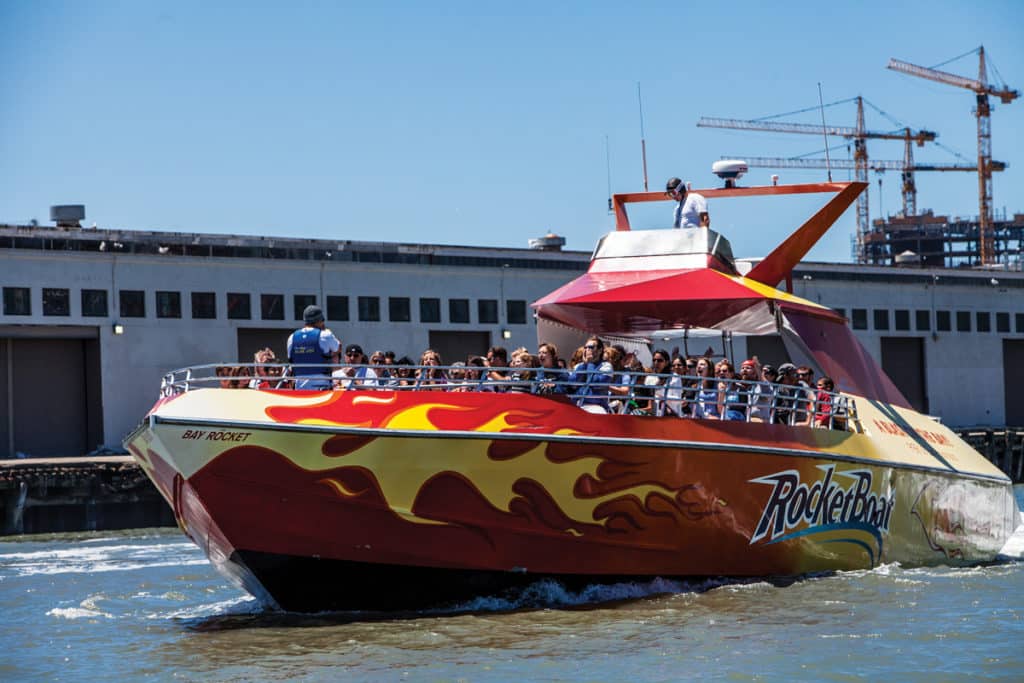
{"points": [[780, 263]]}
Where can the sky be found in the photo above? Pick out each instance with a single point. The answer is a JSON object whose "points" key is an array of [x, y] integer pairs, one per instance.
{"points": [[473, 123]]}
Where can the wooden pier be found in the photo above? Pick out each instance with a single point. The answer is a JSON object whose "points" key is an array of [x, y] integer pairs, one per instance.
{"points": [[1003, 446], [45, 495]]}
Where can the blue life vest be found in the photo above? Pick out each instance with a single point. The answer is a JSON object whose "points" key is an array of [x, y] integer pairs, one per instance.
{"points": [[306, 349]]}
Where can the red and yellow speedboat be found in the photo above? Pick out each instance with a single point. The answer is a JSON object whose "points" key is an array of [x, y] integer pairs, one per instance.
{"points": [[395, 499]]}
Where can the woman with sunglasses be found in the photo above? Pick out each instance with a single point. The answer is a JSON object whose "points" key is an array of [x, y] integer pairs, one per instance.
{"points": [[592, 377], [732, 394]]}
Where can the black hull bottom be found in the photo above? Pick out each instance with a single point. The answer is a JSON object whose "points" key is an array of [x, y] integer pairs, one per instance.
{"points": [[305, 584]]}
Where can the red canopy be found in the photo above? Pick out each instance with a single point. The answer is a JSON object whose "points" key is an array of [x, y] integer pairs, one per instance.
{"points": [[646, 301]]}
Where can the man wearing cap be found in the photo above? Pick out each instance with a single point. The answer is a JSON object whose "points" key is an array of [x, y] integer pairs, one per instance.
{"points": [[691, 208], [356, 374], [312, 344]]}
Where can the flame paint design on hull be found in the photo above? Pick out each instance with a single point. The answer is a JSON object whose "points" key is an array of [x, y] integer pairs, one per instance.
{"points": [[531, 485]]}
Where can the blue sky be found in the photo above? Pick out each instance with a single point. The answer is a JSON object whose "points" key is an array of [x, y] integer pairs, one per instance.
{"points": [[470, 123]]}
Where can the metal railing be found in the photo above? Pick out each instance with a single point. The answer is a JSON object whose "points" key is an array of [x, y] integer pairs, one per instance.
{"points": [[636, 393]]}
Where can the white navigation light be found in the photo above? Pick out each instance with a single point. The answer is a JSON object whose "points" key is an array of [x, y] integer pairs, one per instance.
{"points": [[729, 170]]}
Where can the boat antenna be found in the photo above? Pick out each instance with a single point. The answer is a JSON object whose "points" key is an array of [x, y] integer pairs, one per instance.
{"points": [[608, 166], [824, 133], [643, 141]]}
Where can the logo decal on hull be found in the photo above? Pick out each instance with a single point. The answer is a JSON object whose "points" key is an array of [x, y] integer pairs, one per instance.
{"points": [[853, 514]]}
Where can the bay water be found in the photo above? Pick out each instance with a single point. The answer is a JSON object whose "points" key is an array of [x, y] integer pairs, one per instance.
{"points": [[146, 605]]}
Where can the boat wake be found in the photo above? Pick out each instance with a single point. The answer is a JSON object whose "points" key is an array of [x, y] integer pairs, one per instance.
{"points": [[1014, 548]]}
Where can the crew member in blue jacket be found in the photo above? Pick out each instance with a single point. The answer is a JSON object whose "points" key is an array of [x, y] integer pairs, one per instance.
{"points": [[312, 344]]}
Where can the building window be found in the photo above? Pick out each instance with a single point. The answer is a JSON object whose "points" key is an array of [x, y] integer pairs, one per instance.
{"points": [[56, 301], [924, 320], [1019, 322], [860, 319], [487, 311], [337, 308], [942, 321], [430, 310], [272, 306], [94, 303], [840, 311], [239, 306], [133, 303], [515, 311], [204, 305], [301, 301], [881, 319], [963, 321], [168, 304], [984, 321], [901, 320], [17, 301], [458, 310], [1002, 322], [369, 309], [398, 309]]}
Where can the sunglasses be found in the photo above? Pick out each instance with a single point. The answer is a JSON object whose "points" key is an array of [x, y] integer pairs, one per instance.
{"points": [[590, 346], [351, 353]]}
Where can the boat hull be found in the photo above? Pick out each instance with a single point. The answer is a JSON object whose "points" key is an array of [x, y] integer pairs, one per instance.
{"points": [[389, 500]]}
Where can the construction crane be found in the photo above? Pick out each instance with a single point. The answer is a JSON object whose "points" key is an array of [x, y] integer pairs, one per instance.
{"points": [[858, 134], [982, 89], [907, 168]]}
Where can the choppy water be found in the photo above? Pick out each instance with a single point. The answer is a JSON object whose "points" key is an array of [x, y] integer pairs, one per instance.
{"points": [[147, 605]]}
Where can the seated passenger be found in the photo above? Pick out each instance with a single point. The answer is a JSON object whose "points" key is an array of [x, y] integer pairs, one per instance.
{"points": [[457, 377], [431, 376], [403, 374], [476, 379], [522, 375], [732, 394], [355, 374], [665, 388], [763, 395], [803, 405], [618, 388], [551, 379], [829, 408], [706, 405], [592, 376], [267, 375], [497, 357]]}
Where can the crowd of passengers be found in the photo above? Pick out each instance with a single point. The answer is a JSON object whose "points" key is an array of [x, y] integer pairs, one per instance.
{"points": [[597, 377]]}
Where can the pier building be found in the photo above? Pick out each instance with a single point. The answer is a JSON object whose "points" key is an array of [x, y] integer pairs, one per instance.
{"points": [[91, 319]]}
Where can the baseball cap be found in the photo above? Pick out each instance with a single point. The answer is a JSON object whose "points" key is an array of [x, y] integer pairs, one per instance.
{"points": [[312, 314]]}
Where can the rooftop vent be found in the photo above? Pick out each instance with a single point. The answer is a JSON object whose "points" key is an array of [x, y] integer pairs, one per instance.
{"points": [[549, 242], [68, 215]]}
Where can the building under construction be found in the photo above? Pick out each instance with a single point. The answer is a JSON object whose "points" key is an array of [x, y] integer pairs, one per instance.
{"points": [[943, 241], [911, 238]]}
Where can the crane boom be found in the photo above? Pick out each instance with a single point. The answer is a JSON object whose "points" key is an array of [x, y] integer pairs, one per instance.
{"points": [[920, 137], [849, 164], [1007, 95]]}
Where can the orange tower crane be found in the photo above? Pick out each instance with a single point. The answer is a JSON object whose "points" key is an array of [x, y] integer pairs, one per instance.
{"points": [[860, 151], [982, 89]]}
